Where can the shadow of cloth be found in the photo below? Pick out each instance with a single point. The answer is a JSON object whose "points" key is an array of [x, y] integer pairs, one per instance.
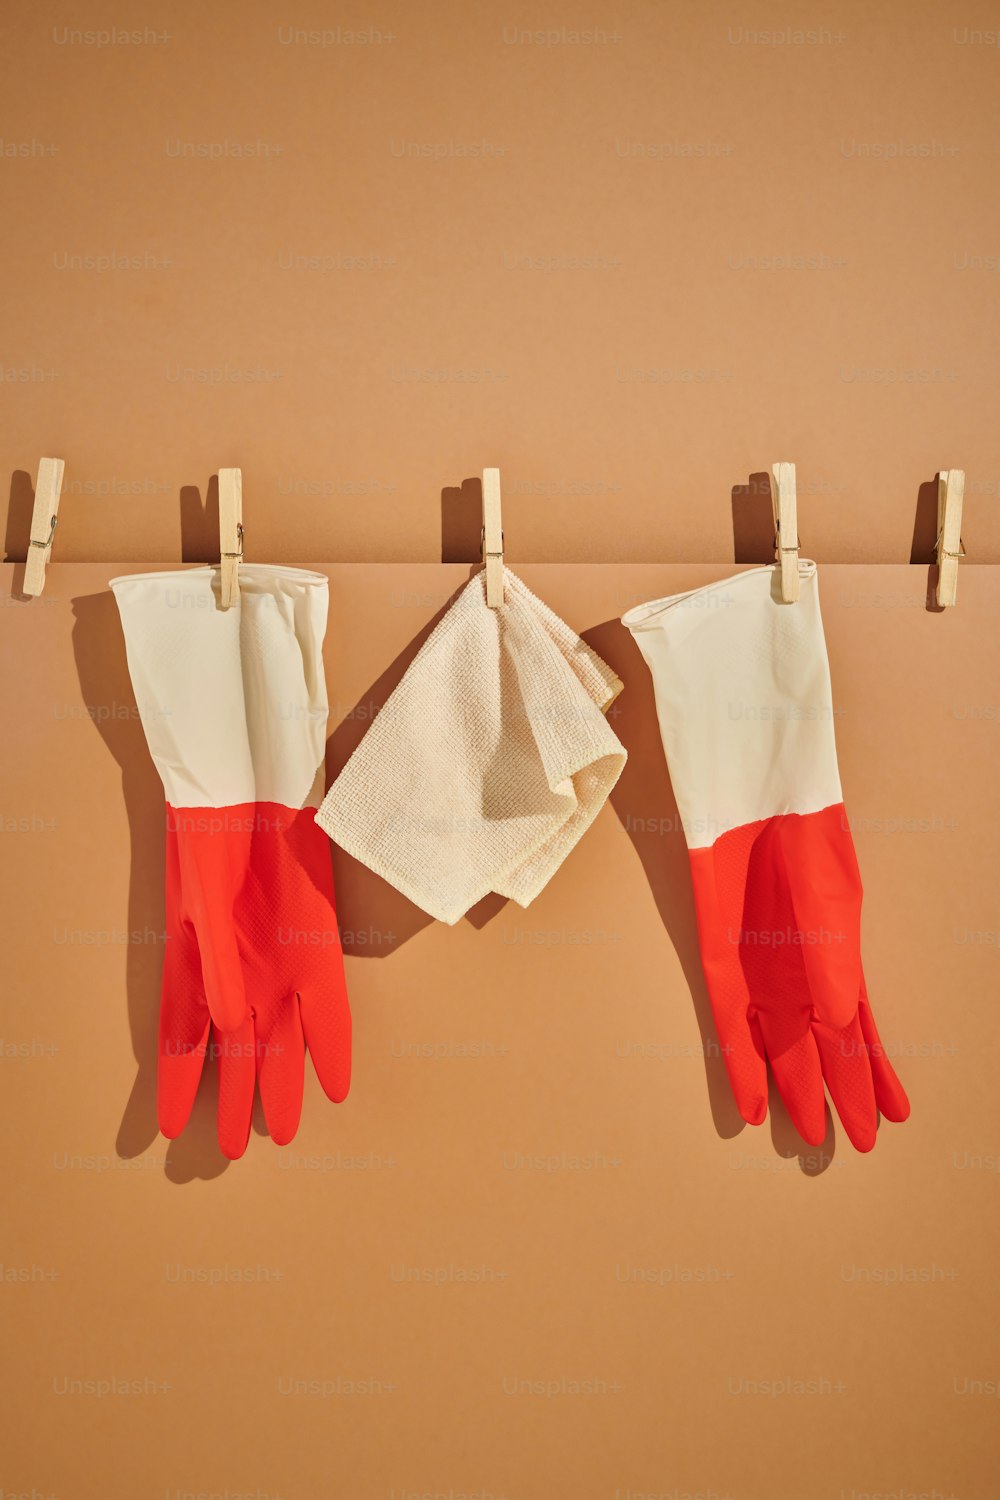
{"points": [[644, 802], [102, 669]]}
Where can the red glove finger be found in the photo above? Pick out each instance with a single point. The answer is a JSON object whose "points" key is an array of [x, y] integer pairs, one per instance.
{"points": [[281, 1056], [183, 1029], [817, 864], [719, 877], [795, 1062], [890, 1096], [235, 1053], [326, 1026], [848, 1075], [208, 853]]}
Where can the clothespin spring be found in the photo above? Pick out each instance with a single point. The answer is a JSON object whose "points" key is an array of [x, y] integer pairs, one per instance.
{"points": [[33, 541], [944, 552], [238, 555], [482, 546]]}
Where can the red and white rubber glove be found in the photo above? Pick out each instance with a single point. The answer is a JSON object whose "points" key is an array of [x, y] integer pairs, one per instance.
{"points": [[743, 698], [233, 704]]}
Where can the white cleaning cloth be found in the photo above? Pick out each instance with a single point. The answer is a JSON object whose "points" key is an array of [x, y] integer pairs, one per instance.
{"points": [[488, 762]]}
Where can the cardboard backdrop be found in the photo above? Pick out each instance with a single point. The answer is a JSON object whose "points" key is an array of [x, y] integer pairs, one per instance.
{"points": [[634, 256], [535, 1253], [632, 253]]}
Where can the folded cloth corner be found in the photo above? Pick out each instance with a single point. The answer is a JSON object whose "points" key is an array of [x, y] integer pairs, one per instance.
{"points": [[487, 763]]}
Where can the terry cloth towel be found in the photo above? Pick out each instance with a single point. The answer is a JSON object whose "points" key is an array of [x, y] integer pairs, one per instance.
{"points": [[487, 763]]}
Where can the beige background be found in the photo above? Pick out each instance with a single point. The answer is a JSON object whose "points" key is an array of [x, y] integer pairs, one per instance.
{"points": [[402, 1254], [362, 271], [589, 300]]}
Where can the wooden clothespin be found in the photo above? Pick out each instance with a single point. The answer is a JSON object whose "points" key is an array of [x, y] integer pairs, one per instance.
{"points": [[951, 494], [492, 540], [45, 513], [230, 533], [786, 529]]}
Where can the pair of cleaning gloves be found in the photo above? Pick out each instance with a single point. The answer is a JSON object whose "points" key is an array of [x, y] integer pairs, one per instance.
{"points": [[483, 769]]}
